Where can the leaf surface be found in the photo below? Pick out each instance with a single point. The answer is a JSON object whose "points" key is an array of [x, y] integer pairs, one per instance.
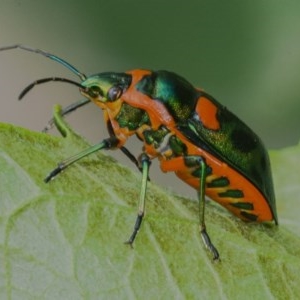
{"points": [[64, 239]]}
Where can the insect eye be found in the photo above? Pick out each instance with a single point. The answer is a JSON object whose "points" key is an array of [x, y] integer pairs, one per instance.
{"points": [[114, 93], [95, 91]]}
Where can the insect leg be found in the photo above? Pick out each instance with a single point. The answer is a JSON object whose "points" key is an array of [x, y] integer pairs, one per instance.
{"points": [[62, 127], [105, 144], [65, 111], [194, 161], [145, 165], [124, 149], [201, 195], [131, 157]]}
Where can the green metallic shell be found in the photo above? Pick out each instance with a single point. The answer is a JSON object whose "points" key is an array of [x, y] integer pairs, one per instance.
{"points": [[234, 142], [178, 95], [101, 83], [132, 117]]}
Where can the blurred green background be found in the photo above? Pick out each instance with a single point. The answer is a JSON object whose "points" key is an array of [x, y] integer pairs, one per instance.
{"points": [[244, 53]]}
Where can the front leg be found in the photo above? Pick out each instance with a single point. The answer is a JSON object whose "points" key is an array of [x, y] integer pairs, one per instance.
{"points": [[108, 143], [65, 130], [60, 113]]}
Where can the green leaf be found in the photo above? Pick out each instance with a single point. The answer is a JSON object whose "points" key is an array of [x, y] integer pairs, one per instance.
{"points": [[64, 239]]}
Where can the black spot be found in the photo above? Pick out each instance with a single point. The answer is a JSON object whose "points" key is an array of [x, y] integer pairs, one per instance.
{"points": [[244, 140], [250, 217], [243, 205], [219, 182], [197, 172], [232, 194]]}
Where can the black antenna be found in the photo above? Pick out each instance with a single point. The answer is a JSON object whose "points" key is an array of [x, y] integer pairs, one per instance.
{"points": [[44, 80], [49, 55]]}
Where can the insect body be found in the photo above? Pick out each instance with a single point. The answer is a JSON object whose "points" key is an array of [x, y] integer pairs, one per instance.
{"points": [[191, 134]]}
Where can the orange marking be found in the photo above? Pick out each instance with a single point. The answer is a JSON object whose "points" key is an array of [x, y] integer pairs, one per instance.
{"points": [[173, 164], [207, 112], [157, 111], [219, 168]]}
